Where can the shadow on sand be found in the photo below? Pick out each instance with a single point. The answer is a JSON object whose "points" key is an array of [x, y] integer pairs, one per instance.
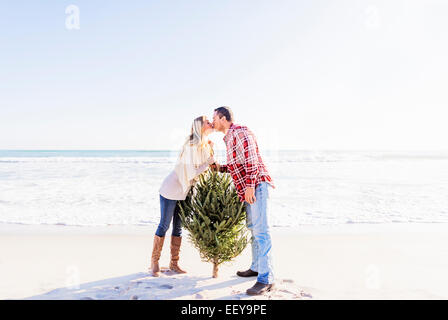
{"points": [[143, 286]]}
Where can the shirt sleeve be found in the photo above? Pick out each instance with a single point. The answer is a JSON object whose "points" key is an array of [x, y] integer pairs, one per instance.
{"points": [[250, 158], [206, 153], [201, 168]]}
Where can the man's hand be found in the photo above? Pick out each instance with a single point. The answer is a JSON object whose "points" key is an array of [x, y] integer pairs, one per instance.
{"points": [[249, 195]]}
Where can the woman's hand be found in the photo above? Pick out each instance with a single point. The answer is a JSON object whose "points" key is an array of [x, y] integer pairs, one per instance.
{"points": [[211, 160]]}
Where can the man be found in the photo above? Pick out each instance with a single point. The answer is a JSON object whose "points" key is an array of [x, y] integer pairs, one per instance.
{"points": [[251, 180]]}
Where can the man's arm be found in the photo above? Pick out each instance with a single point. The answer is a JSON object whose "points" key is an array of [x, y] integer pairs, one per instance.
{"points": [[250, 159], [249, 148]]}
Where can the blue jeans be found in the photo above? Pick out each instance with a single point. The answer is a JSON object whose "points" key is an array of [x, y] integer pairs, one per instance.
{"points": [[169, 211], [257, 223]]}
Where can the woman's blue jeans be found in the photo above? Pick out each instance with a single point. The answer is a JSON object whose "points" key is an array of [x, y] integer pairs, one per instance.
{"points": [[169, 211], [257, 223]]}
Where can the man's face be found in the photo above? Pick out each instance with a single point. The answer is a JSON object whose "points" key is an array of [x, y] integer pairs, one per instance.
{"points": [[216, 122]]}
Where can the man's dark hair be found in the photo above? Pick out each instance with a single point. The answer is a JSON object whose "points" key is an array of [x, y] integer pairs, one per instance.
{"points": [[226, 112]]}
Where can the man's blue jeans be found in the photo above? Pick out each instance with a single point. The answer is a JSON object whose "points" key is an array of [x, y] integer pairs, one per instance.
{"points": [[257, 223], [169, 211]]}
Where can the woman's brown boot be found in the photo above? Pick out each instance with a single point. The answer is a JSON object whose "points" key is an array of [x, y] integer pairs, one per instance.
{"points": [[175, 249], [156, 251]]}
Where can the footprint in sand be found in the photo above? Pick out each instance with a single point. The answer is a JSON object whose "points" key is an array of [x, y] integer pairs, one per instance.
{"points": [[306, 295], [166, 286], [285, 291], [287, 281], [168, 272]]}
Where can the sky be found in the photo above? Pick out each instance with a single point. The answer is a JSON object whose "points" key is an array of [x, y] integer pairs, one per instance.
{"points": [[331, 75]]}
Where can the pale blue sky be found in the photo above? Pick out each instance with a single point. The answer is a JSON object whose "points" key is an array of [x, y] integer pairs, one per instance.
{"points": [[301, 74]]}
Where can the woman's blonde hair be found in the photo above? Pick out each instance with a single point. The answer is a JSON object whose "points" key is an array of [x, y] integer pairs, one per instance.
{"points": [[195, 152], [196, 137]]}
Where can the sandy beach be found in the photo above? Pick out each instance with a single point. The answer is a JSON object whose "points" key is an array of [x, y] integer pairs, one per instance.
{"points": [[392, 261]]}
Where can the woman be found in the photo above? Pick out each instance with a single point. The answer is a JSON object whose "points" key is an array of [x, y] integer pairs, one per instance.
{"points": [[195, 157]]}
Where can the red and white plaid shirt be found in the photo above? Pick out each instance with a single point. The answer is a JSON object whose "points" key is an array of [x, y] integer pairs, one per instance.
{"points": [[244, 162]]}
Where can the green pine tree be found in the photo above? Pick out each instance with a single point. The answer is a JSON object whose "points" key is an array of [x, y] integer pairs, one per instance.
{"points": [[215, 218]]}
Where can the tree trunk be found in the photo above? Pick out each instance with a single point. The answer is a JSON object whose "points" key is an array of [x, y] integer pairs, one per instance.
{"points": [[215, 270]]}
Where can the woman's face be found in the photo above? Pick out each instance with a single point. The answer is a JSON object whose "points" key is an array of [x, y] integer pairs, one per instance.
{"points": [[207, 126]]}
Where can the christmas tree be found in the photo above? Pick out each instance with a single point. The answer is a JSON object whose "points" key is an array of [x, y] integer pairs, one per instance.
{"points": [[215, 218]]}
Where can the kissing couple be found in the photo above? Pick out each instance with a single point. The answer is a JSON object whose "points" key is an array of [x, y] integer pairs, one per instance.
{"points": [[251, 180]]}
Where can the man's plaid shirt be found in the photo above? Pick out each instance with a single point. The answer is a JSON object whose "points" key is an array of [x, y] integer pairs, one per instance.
{"points": [[244, 162]]}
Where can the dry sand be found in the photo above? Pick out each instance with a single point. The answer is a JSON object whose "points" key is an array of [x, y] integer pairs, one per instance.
{"points": [[400, 261]]}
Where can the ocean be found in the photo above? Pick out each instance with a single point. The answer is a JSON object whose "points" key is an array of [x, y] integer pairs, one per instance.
{"points": [[89, 188]]}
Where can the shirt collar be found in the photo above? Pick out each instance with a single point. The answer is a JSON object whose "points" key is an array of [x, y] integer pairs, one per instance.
{"points": [[226, 137]]}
